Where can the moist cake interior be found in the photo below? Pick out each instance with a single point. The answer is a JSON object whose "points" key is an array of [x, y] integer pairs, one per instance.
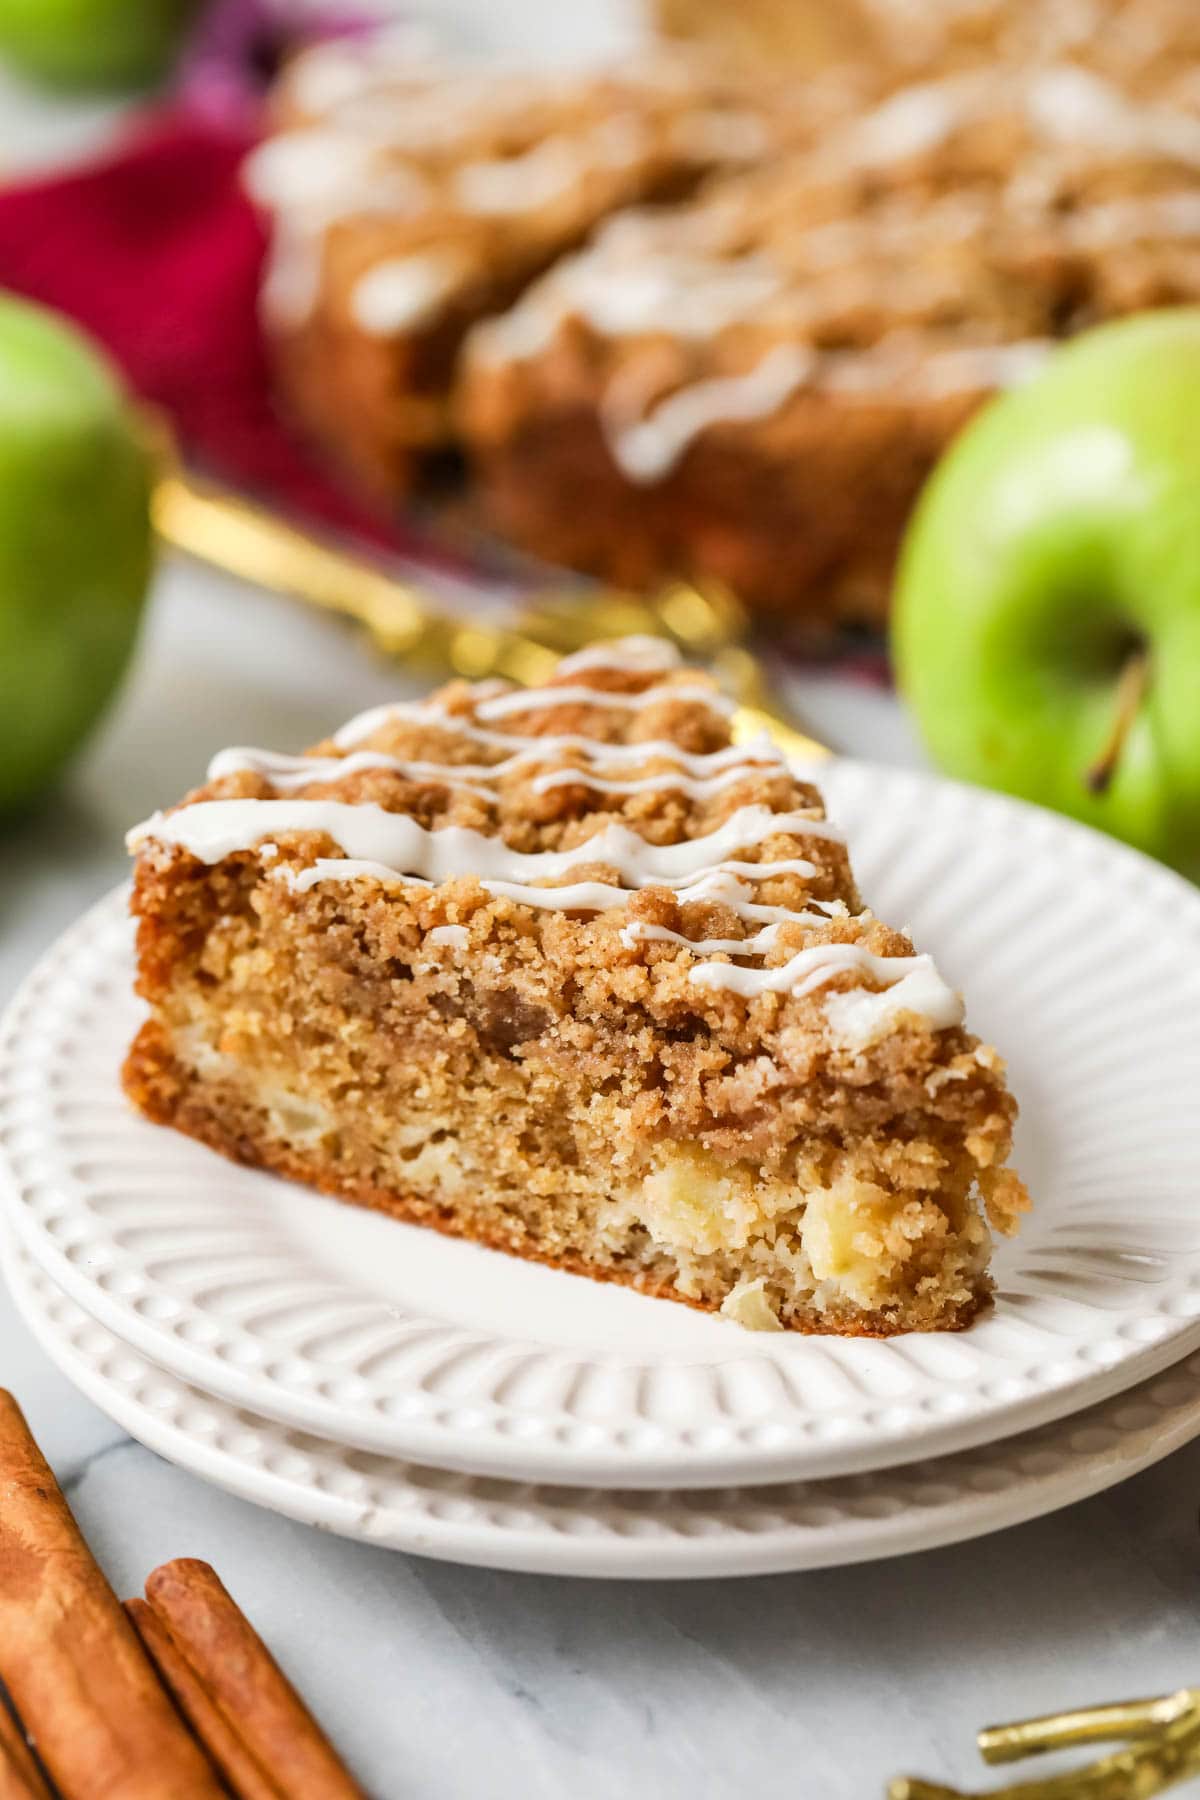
{"points": [[562, 971]]}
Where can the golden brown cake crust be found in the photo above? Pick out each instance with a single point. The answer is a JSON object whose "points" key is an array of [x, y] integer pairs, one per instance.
{"points": [[548, 1044]]}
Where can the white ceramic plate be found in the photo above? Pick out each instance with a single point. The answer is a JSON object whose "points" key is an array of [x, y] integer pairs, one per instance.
{"points": [[631, 1533], [1080, 959]]}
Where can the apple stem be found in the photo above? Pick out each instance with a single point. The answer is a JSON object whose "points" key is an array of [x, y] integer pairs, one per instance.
{"points": [[1131, 691]]}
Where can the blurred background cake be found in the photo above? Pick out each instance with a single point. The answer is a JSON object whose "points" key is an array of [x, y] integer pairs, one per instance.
{"points": [[743, 306], [1145, 44], [755, 386], [409, 198]]}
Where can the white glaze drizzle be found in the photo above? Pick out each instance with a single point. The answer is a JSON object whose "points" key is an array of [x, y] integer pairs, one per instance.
{"points": [[686, 296], [382, 112], [1075, 106], [404, 291], [213, 829], [650, 447], [516, 184], [309, 178], [542, 749], [812, 968], [917, 119], [393, 849], [1061, 104], [290, 773], [1173, 215], [724, 887], [647, 449], [316, 170], [526, 700], [347, 868], [757, 944], [622, 291], [635, 655], [696, 788]]}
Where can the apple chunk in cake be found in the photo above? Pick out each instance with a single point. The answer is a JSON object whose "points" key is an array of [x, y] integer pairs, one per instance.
{"points": [[563, 971]]}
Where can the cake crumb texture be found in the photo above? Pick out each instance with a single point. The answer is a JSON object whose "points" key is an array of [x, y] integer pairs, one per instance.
{"points": [[588, 1012]]}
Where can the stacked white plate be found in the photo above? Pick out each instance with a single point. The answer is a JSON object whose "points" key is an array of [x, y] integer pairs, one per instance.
{"points": [[393, 1385]]}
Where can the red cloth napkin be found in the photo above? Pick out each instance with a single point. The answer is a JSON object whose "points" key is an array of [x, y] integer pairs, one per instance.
{"points": [[157, 253]]}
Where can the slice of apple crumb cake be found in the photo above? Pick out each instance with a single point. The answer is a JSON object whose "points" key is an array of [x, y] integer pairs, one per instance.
{"points": [[563, 971]]}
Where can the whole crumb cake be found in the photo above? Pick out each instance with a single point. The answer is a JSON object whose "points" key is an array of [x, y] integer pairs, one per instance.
{"points": [[743, 307], [408, 197], [563, 971], [753, 386]]}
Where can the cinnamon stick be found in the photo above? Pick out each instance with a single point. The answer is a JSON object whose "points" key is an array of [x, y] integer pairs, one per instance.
{"points": [[225, 1749], [71, 1661], [246, 1684], [20, 1777]]}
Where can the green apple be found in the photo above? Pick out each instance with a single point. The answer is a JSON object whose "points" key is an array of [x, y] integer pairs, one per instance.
{"points": [[92, 43], [1047, 622], [75, 542]]}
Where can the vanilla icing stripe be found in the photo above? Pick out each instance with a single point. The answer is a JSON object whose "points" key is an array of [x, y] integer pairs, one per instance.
{"points": [[928, 994], [763, 871], [549, 748], [396, 850], [400, 293], [647, 449], [666, 781], [638, 654], [211, 830], [757, 944], [546, 699], [723, 888], [292, 772], [639, 932]]}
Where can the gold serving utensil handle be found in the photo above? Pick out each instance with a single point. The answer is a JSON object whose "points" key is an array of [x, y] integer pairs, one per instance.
{"points": [[1162, 1747], [248, 541], [1087, 1725]]}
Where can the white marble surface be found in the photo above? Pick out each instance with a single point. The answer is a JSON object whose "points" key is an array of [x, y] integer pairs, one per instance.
{"points": [[444, 1683], [457, 1684]]}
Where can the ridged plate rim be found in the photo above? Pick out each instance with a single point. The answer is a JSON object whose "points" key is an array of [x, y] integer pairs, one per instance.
{"points": [[689, 1534], [1076, 1320]]}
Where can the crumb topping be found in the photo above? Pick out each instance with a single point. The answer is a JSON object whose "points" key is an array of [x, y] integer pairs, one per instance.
{"points": [[566, 970], [606, 819]]}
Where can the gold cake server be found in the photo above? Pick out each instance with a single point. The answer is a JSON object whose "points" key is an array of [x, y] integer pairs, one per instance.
{"points": [[407, 623]]}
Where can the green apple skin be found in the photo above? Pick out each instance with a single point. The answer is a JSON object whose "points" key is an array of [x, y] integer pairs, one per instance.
{"points": [[75, 543], [92, 43], [1061, 532]]}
